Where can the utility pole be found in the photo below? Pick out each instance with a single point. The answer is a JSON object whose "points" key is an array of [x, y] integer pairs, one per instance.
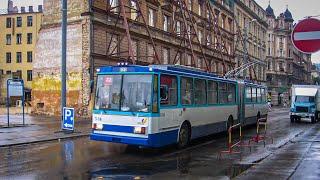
{"points": [[63, 55]]}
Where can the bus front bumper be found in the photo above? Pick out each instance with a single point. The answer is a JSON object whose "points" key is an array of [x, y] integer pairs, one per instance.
{"points": [[120, 139], [303, 115], [153, 140]]}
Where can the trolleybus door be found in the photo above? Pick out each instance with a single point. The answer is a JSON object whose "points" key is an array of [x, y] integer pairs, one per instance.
{"points": [[241, 103]]}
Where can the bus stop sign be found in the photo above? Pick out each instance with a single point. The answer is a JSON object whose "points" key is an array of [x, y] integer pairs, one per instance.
{"points": [[306, 35], [68, 119]]}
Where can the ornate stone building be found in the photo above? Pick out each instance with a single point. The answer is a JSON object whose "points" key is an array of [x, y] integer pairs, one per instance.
{"points": [[286, 65], [250, 21]]}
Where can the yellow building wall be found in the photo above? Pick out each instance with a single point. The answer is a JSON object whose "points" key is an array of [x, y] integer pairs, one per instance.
{"points": [[23, 47]]}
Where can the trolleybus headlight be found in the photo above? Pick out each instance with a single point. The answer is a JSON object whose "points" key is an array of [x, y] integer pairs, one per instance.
{"points": [[139, 130], [97, 126]]}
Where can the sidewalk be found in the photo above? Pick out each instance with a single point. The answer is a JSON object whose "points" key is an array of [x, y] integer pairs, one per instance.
{"points": [[298, 159], [37, 129]]}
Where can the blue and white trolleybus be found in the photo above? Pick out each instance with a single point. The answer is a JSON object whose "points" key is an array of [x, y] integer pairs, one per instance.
{"points": [[159, 105]]}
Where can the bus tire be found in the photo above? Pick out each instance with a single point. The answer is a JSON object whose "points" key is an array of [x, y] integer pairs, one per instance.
{"points": [[184, 136]]}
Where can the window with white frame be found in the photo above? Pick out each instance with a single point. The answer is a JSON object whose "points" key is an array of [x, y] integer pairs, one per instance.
{"points": [[189, 60], [151, 16], [165, 23], [165, 55], [133, 10], [114, 5], [190, 5], [178, 28], [200, 36]]}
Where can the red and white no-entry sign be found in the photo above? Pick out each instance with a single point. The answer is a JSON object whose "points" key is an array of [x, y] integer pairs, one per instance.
{"points": [[306, 35]]}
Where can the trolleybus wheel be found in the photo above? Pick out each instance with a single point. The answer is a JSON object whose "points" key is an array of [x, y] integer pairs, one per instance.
{"points": [[230, 123], [184, 136]]}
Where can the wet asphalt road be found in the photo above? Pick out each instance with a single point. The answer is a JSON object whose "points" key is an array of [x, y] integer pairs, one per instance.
{"points": [[84, 159]]}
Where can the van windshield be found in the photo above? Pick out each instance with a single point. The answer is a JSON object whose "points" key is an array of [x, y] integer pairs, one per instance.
{"points": [[305, 99], [124, 93]]}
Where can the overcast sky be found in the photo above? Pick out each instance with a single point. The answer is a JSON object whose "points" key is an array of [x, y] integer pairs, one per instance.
{"points": [[298, 8]]}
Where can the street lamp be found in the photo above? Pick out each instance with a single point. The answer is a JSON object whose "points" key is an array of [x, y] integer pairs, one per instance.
{"points": [[245, 41]]}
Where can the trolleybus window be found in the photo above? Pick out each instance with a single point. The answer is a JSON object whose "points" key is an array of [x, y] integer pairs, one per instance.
{"points": [[259, 95], [212, 92], [200, 92], [254, 94], [263, 95], [155, 94], [226, 93], [168, 90], [248, 94], [133, 92], [231, 93], [186, 91], [136, 93], [108, 92]]}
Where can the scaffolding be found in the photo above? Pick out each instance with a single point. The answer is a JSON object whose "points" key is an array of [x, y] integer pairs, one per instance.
{"points": [[120, 13]]}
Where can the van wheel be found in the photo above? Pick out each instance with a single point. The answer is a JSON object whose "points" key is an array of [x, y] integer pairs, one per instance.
{"points": [[184, 136], [313, 120], [292, 118]]}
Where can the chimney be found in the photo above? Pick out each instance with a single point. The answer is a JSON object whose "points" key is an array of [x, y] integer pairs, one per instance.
{"points": [[15, 9], [30, 8], [40, 8], [23, 9], [10, 6]]}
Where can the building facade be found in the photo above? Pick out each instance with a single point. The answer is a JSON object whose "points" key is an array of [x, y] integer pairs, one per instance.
{"points": [[19, 33], [250, 22], [191, 33], [286, 65]]}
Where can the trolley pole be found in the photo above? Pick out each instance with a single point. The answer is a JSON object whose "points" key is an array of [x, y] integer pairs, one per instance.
{"points": [[63, 56]]}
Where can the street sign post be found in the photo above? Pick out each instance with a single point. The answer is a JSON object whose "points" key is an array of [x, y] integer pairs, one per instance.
{"points": [[306, 35], [68, 119], [15, 88]]}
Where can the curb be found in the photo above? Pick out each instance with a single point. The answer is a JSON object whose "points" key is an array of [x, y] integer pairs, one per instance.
{"points": [[46, 140]]}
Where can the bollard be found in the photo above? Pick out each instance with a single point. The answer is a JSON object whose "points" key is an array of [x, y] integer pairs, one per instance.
{"points": [[257, 138], [230, 144]]}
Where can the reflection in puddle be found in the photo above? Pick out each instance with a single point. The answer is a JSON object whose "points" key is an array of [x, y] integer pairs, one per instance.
{"points": [[140, 170]]}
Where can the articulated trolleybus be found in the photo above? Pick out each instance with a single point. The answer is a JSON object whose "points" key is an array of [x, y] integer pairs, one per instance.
{"points": [[159, 105]]}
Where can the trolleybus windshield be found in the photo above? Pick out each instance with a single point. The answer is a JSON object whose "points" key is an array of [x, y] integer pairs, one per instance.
{"points": [[129, 93]]}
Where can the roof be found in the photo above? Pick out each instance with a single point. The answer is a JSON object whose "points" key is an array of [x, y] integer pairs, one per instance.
{"points": [[288, 15], [306, 91], [171, 69], [270, 11]]}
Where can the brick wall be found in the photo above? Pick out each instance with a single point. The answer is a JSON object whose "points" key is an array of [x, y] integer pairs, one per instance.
{"points": [[46, 70], [52, 10]]}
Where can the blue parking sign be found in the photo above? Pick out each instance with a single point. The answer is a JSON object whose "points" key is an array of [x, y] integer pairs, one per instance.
{"points": [[68, 119]]}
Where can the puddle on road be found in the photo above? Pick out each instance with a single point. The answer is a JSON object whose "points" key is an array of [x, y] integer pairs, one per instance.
{"points": [[237, 169]]}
